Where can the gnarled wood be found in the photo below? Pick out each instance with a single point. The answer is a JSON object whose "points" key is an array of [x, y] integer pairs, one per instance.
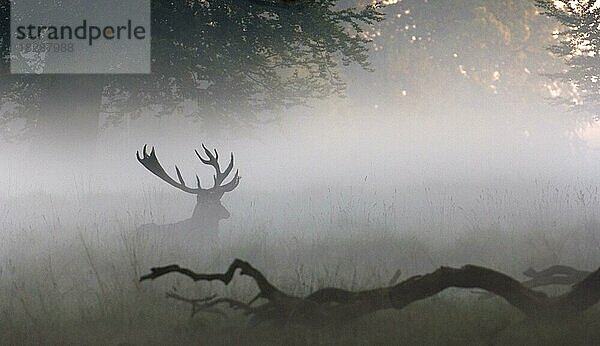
{"points": [[554, 275], [335, 304]]}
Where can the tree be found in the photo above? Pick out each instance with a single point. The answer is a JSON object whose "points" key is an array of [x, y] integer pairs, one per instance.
{"points": [[577, 44], [234, 59], [482, 59], [493, 47]]}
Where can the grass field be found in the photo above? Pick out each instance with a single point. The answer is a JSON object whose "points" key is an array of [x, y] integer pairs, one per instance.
{"points": [[70, 264]]}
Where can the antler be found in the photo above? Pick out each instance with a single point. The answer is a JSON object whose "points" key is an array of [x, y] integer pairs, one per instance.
{"points": [[150, 161], [219, 177]]}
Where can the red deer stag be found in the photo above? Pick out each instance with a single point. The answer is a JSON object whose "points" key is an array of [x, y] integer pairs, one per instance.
{"points": [[209, 210]]}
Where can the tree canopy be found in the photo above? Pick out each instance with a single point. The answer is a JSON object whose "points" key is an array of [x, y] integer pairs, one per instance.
{"points": [[233, 59], [578, 40]]}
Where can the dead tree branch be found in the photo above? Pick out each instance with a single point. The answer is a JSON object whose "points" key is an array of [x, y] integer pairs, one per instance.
{"points": [[199, 304], [335, 304], [555, 275]]}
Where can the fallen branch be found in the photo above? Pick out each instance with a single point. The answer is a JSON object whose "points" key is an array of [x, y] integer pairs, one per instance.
{"points": [[555, 275], [199, 304], [335, 304]]}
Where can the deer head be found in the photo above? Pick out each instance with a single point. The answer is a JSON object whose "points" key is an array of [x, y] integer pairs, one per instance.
{"points": [[209, 210]]}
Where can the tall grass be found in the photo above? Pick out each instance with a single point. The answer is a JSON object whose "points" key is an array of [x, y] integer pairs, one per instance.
{"points": [[69, 264]]}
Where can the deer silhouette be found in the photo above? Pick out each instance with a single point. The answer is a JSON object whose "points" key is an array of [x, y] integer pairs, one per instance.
{"points": [[209, 210]]}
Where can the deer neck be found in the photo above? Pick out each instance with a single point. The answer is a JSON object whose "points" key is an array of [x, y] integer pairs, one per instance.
{"points": [[203, 218]]}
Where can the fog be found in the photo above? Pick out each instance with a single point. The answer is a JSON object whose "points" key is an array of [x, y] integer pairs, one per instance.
{"points": [[433, 169], [441, 171], [332, 145]]}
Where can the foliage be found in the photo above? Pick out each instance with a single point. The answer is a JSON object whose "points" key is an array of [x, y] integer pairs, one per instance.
{"points": [[577, 44], [226, 56]]}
